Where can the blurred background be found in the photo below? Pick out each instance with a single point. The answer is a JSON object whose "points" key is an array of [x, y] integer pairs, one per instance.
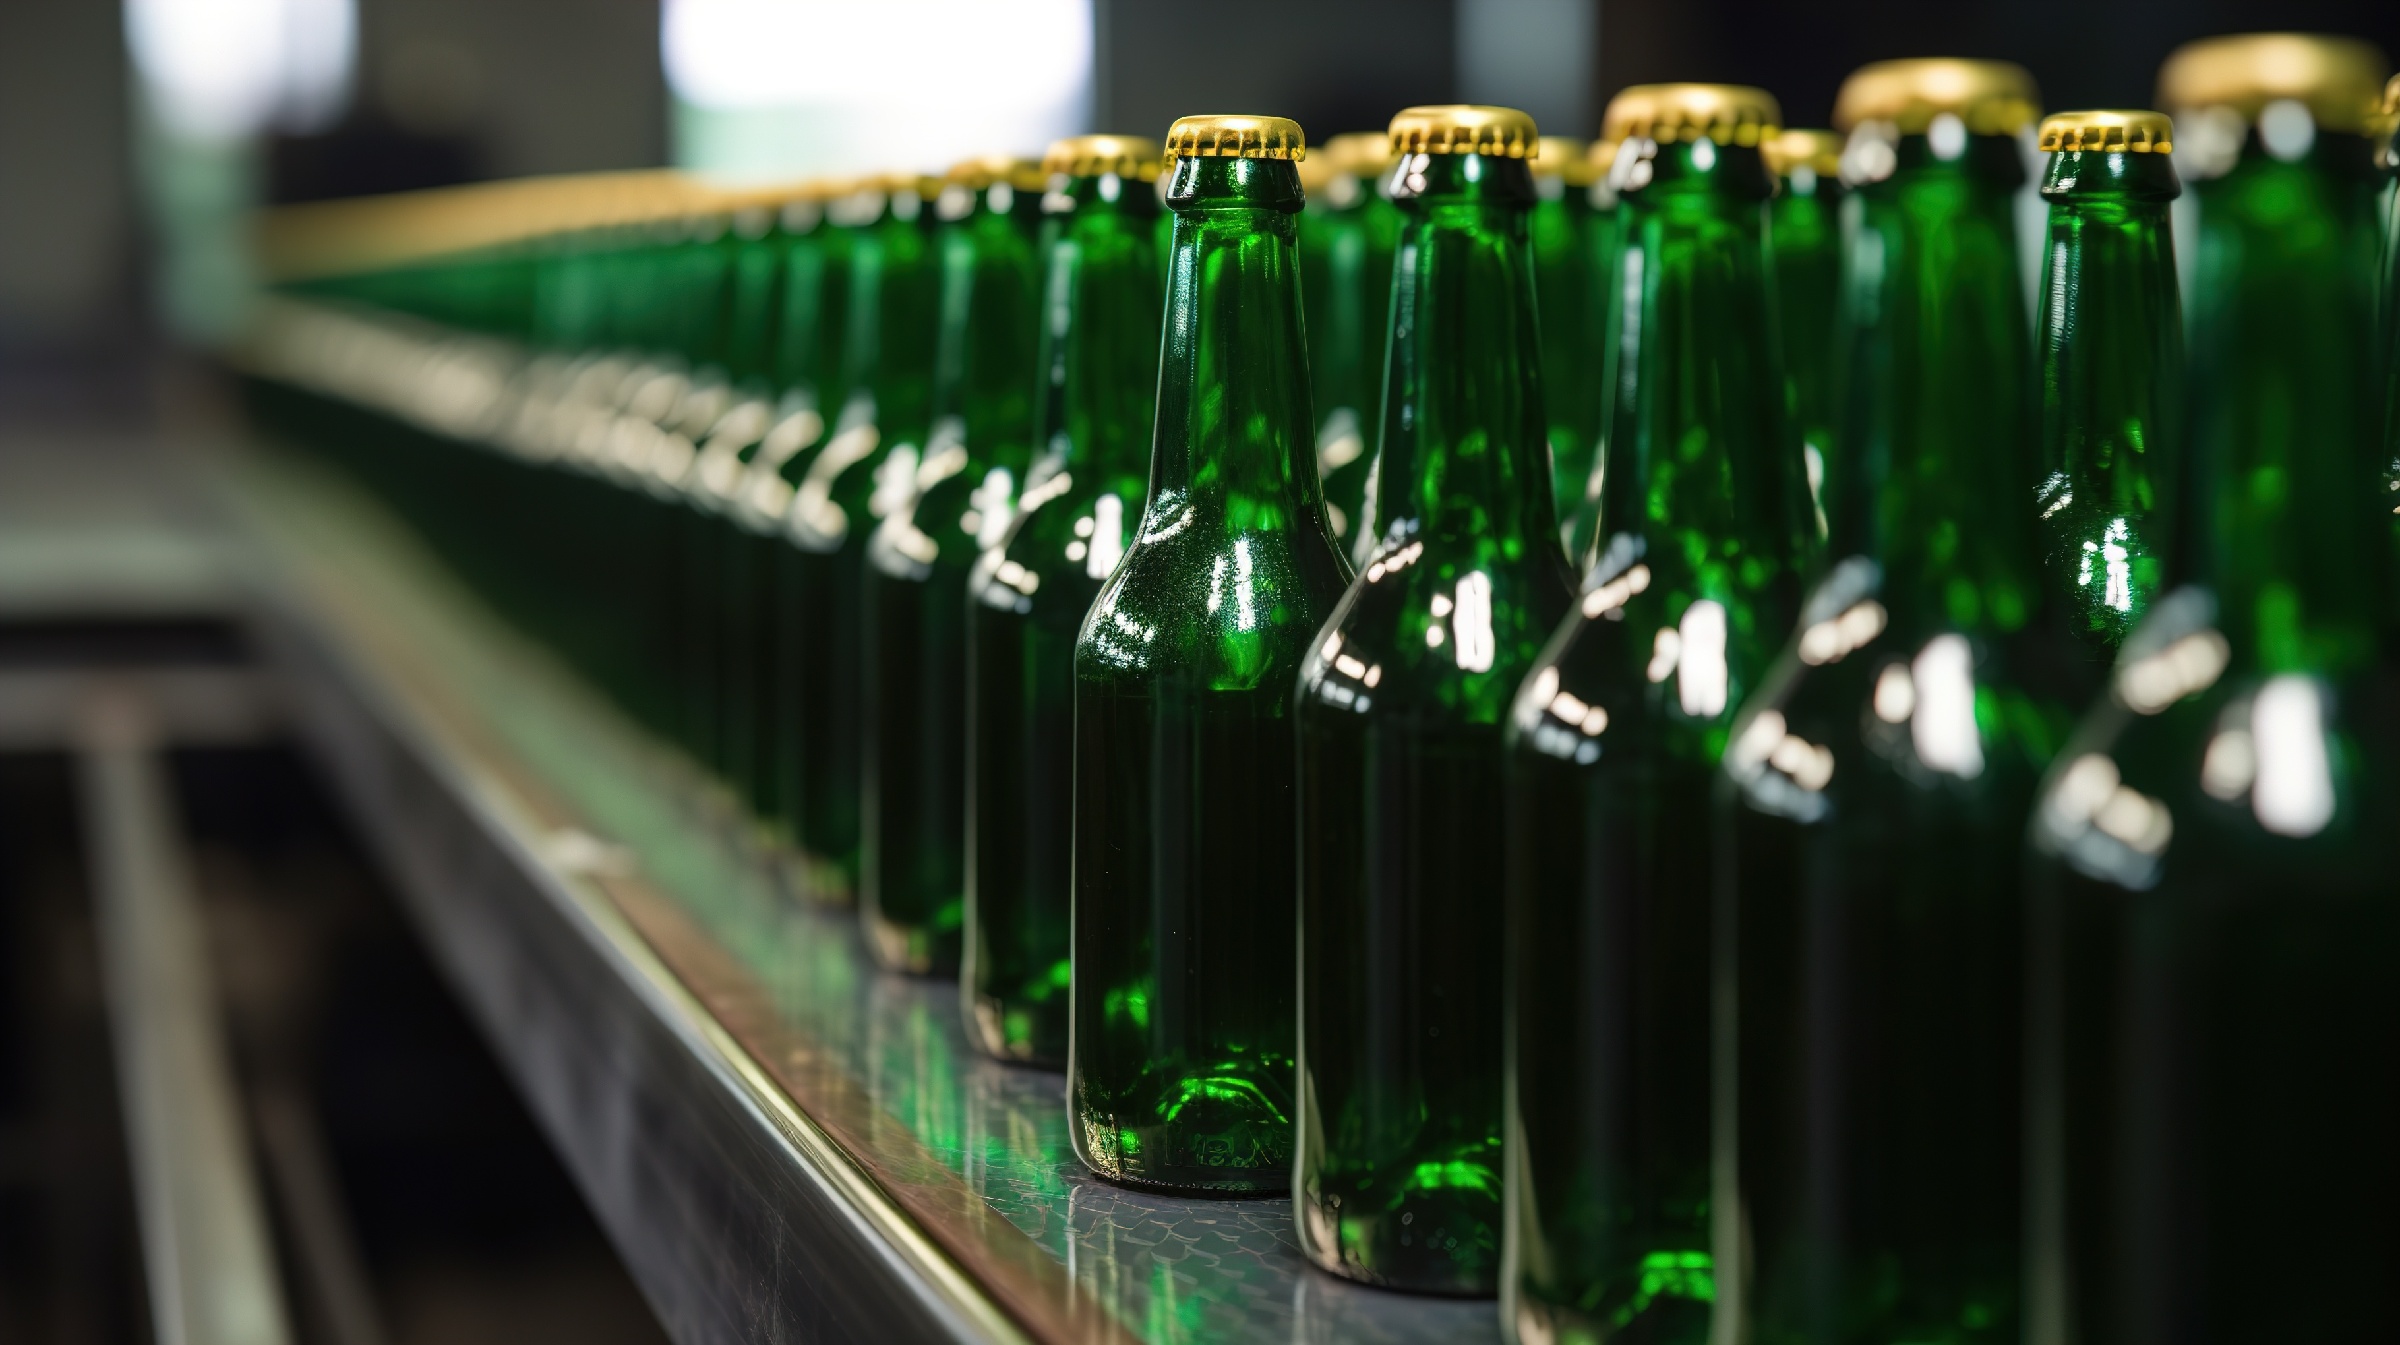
{"points": [[136, 138]]}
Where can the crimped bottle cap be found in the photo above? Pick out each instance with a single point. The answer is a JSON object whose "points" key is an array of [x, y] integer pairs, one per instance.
{"points": [[986, 170], [898, 184], [1730, 114], [1991, 97], [1235, 137], [2112, 131], [1358, 153], [1132, 156], [1569, 160], [1464, 128], [2336, 78], [1818, 151]]}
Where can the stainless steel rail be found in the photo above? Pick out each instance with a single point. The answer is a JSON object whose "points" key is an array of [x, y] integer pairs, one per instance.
{"points": [[210, 1261]]}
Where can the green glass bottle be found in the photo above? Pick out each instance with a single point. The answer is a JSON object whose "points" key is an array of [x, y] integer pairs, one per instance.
{"points": [[1806, 220], [1880, 778], [1095, 393], [806, 376], [1615, 735], [957, 498], [726, 571], [1346, 239], [848, 486], [2273, 140], [2213, 916], [1401, 705], [1179, 1068], [1573, 229], [2110, 350]]}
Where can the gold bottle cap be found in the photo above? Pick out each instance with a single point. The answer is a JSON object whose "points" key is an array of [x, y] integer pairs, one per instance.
{"points": [[2336, 78], [1569, 160], [1235, 137], [1820, 152], [985, 170], [1991, 97], [1358, 153], [1730, 114], [2112, 131], [1131, 156], [1464, 128], [896, 184]]}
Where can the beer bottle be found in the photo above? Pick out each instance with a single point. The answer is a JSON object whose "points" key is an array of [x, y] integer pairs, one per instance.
{"points": [[955, 501], [727, 572], [2110, 346], [1880, 778], [1572, 228], [807, 379], [850, 483], [1346, 239], [1401, 705], [1806, 231], [2272, 134], [1179, 1067], [1095, 391], [1614, 738], [2211, 929]]}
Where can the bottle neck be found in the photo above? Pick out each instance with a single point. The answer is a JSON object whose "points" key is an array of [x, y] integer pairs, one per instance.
{"points": [[1234, 421], [889, 341], [1937, 451], [1099, 337], [2285, 462], [816, 282], [987, 329], [2110, 342], [1699, 452], [1464, 438]]}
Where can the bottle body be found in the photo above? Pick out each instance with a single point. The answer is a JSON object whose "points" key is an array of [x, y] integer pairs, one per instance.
{"points": [[960, 494], [1401, 707], [1097, 383], [2212, 900], [1613, 744], [1180, 1062], [864, 471]]}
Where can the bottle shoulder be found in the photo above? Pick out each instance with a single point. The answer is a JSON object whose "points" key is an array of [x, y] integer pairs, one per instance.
{"points": [[1448, 630], [2202, 769], [1658, 651], [1865, 708], [1222, 594], [1063, 542]]}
